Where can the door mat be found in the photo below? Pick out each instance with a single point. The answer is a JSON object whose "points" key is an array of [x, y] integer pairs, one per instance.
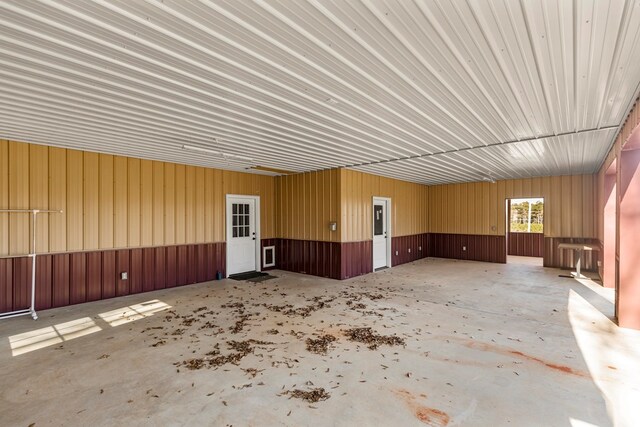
{"points": [[251, 276]]}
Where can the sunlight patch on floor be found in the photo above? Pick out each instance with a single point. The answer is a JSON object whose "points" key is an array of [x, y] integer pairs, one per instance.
{"points": [[51, 335], [134, 312]]}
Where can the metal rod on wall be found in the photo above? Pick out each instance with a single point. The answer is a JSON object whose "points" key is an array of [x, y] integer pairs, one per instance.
{"points": [[32, 254]]}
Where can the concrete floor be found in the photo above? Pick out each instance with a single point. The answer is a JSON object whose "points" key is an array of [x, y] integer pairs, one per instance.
{"points": [[486, 344]]}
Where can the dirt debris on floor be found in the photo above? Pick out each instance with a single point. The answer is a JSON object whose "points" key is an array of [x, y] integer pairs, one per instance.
{"points": [[373, 340], [320, 345], [312, 396]]}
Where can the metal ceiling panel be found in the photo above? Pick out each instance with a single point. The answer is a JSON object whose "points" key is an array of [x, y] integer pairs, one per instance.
{"points": [[427, 91]]}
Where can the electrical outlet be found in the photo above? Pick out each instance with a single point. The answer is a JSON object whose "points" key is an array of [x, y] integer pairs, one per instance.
{"points": [[396, 253], [124, 275], [419, 248], [409, 250], [464, 248]]}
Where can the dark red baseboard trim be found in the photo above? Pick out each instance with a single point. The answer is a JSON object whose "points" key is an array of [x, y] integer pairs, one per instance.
{"points": [[468, 247], [525, 244], [73, 278], [309, 256], [557, 258]]}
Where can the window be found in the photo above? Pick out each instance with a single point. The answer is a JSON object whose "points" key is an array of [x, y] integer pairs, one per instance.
{"points": [[240, 224], [526, 215]]}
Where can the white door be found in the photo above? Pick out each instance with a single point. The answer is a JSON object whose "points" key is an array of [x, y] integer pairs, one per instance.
{"points": [[241, 235], [380, 233]]}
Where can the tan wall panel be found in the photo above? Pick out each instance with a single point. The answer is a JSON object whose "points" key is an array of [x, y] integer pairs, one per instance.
{"points": [[75, 200], [146, 203], [134, 202], [105, 204], [199, 205], [305, 205], [4, 197], [479, 208], [57, 199], [409, 203], [120, 202], [39, 192], [170, 203], [91, 200], [180, 206], [115, 202], [158, 204], [190, 204], [19, 237]]}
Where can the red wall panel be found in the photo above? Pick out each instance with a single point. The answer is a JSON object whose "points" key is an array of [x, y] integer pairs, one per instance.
{"points": [[135, 271], [60, 280], [94, 276], [526, 244], [78, 278], [44, 285]]}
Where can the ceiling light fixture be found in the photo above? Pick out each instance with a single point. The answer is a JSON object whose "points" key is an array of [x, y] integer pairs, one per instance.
{"points": [[226, 156], [489, 179]]}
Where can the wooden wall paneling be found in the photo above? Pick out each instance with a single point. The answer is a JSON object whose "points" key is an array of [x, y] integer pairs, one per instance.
{"points": [[77, 277], [146, 203], [4, 204], [192, 264], [219, 207], [105, 204], [211, 261], [120, 202], [160, 277], [91, 200], [199, 206], [158, 204], [169, 203], [6, 283], [148, 269], [190, 204], [171, 268], [136, 272], [123, 287], [44, 284], [61, 273], [94, 276], [38, 192], [209, 206], [19, 234], [134, 202], [180, 207], [111, 286], [75, 200], [182, 266], [21, 283], [201, 263], [57, 199]]}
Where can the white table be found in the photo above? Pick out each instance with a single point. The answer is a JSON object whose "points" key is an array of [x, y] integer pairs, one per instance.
{"points": [[579, 248]]}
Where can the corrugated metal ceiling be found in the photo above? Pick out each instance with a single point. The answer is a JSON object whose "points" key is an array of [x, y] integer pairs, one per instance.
{"points": [[426, 91]]}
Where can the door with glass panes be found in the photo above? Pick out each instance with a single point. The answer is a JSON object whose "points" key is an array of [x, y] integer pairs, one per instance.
{"points": [[241, 235]]}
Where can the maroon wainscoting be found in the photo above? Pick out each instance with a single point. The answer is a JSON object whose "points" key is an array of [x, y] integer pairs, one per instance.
{"points": [[269, 242], [15, 283], [409, 248], [308, 256], [526, 244], [479, 247], [356, 258], [564, 258], [73, 278]]}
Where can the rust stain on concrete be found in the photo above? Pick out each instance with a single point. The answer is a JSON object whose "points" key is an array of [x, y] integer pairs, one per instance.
{"points": [[506, 351], [430, 416]]}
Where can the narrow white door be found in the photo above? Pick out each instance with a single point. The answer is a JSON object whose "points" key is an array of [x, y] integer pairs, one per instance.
{"points": [[380, 234], [241, 235]]}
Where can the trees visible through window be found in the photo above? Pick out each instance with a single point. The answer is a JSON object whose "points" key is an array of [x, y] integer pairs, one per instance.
{"points": [[527, 215]]}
